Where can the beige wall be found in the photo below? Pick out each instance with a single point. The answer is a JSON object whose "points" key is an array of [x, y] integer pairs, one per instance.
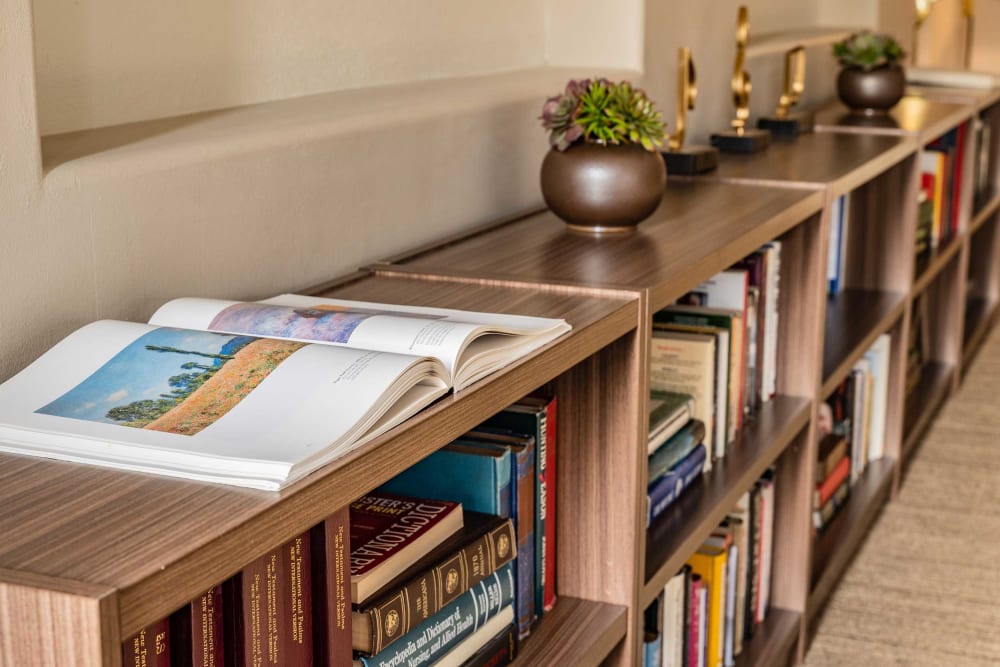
{"points": [[278, 196]]}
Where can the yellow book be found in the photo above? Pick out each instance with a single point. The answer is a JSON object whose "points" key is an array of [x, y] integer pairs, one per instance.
{"points": [[710, 564]]}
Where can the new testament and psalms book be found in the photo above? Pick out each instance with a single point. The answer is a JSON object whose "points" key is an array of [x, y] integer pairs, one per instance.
{"points": [[236, 393]]}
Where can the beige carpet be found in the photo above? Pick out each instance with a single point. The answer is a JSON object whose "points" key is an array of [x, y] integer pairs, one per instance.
{"points": [[924, 589]]}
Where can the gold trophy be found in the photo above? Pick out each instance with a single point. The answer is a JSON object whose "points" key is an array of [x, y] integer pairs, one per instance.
{"points": [[969, 12], [786, 123], [690, 159], [740, 139]]}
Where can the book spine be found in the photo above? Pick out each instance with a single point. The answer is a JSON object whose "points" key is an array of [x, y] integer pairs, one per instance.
{"points": [[524, 507], [426, 593], [670, 486], [499, 651], [331, 591], [730, 610], [675, 449], [207, 647], [695, 652], [541, 510], [753, 561], [549, 494], [150, 647], [652, 646], [443, 631]]}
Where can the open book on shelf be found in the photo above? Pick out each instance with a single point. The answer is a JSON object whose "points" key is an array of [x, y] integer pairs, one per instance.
{"points": [[250, 394]]}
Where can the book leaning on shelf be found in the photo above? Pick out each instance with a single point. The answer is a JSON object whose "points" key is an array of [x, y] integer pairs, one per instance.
{"points": [[243, 393]]}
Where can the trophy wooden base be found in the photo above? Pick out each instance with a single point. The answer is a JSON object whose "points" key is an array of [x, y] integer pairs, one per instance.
{"points": [[691, 160], [747, 141], [791, 126]]}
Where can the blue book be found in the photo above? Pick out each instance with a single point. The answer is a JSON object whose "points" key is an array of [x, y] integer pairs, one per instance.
{"points": [[480, 481], [675, 449], [440, 633], [666, 489]]}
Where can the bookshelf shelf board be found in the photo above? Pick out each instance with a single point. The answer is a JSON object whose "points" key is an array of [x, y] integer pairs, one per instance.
{"points": [[833, 550], [983, 214], [699, 229], [575, 632], [818, 159], [675, 534], [772, 641], [979, 316], [933, 266], [157, 542], [980, 98], [918, 117], [923, 402], [778, 42], [854, 319]]}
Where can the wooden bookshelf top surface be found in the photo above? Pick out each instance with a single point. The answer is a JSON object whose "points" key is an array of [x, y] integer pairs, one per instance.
{"points": [[919, 117], [981, 98], [699, 229], [818, 159], [158, 541]]}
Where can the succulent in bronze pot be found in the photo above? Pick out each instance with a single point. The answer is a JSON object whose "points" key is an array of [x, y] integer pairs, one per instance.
{"points": [[871, 79]]}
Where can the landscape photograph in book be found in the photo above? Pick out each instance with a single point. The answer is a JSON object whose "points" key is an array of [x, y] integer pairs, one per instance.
{"points": [[324, 322], [173, 380]]}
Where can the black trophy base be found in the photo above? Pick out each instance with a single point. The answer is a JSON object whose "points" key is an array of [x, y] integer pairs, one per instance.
{"points": [[691, 160], [792, 126], [747, 141]]}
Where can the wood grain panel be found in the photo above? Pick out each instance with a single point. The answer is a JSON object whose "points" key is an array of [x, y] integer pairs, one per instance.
{"points": [[922, 405], [979, 99], [699, 229], [576, 632], [854, 319], [49, 621], [918, 117], [773, 640], [602, 447], [838, 161]]}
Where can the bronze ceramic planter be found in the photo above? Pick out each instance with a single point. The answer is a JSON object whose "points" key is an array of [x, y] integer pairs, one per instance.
{"points": [[603, 188], [875, 91]]}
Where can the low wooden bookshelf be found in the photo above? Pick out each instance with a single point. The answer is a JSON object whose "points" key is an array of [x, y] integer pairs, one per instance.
{"points": [[92, 555]]}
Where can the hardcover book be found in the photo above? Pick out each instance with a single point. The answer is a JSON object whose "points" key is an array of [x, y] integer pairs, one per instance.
{"points": [[499, 651], [150, 647], [390, 533], [669, 411], [196, 632], [331, 546], [272, 611], [476, 551], [686, 363], [676, 449], [242, 393]]}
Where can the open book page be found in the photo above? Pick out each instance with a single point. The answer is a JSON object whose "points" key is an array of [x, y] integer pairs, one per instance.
{"points": [[208, 406], [469, 344]]}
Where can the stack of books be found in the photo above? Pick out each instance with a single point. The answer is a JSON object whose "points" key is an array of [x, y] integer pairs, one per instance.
{"points": [[676, 450], [710, 610], [851, 428], [505, 467]]}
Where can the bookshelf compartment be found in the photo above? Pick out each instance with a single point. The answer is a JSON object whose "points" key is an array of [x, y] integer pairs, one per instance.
{"points": [[773, 640], [836, 546], [678, 532], [575, 632], [854, 319], [931, 267], [987, 211], [923, 402]]}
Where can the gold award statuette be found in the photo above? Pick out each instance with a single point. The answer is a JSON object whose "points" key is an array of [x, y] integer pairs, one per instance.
{"points": [[785, 122], [740, 139], [682, 159]]}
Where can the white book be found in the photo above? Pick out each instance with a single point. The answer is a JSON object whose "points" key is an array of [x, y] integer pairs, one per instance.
{"points": [[773, 286], [878, 355], [732, 563], [859, 420], [686, 363], [703, 627], [767, 544], [673, 621], [235, 408]]}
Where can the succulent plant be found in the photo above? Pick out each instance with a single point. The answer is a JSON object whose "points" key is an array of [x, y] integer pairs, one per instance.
{"points": [[602, 112], [868, 51]]}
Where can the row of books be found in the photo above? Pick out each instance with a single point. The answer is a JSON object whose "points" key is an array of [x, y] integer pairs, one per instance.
{"points": [[840, 216], [851, 428], [709, 611], [718, 344], [449, 563], [941, 174]]}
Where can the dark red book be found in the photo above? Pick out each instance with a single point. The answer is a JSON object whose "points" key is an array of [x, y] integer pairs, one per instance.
{"points": [[271, 608], [150, 647], [331, 591], [389, 533], [196, 632], [501, 650]]}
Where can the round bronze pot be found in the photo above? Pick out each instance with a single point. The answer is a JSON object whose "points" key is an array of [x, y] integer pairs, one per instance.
{"points": [[603, 188], [875, 91]]}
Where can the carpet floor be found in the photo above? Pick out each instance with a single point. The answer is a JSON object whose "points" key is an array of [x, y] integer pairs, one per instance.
{"points": [[924, 589]]}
